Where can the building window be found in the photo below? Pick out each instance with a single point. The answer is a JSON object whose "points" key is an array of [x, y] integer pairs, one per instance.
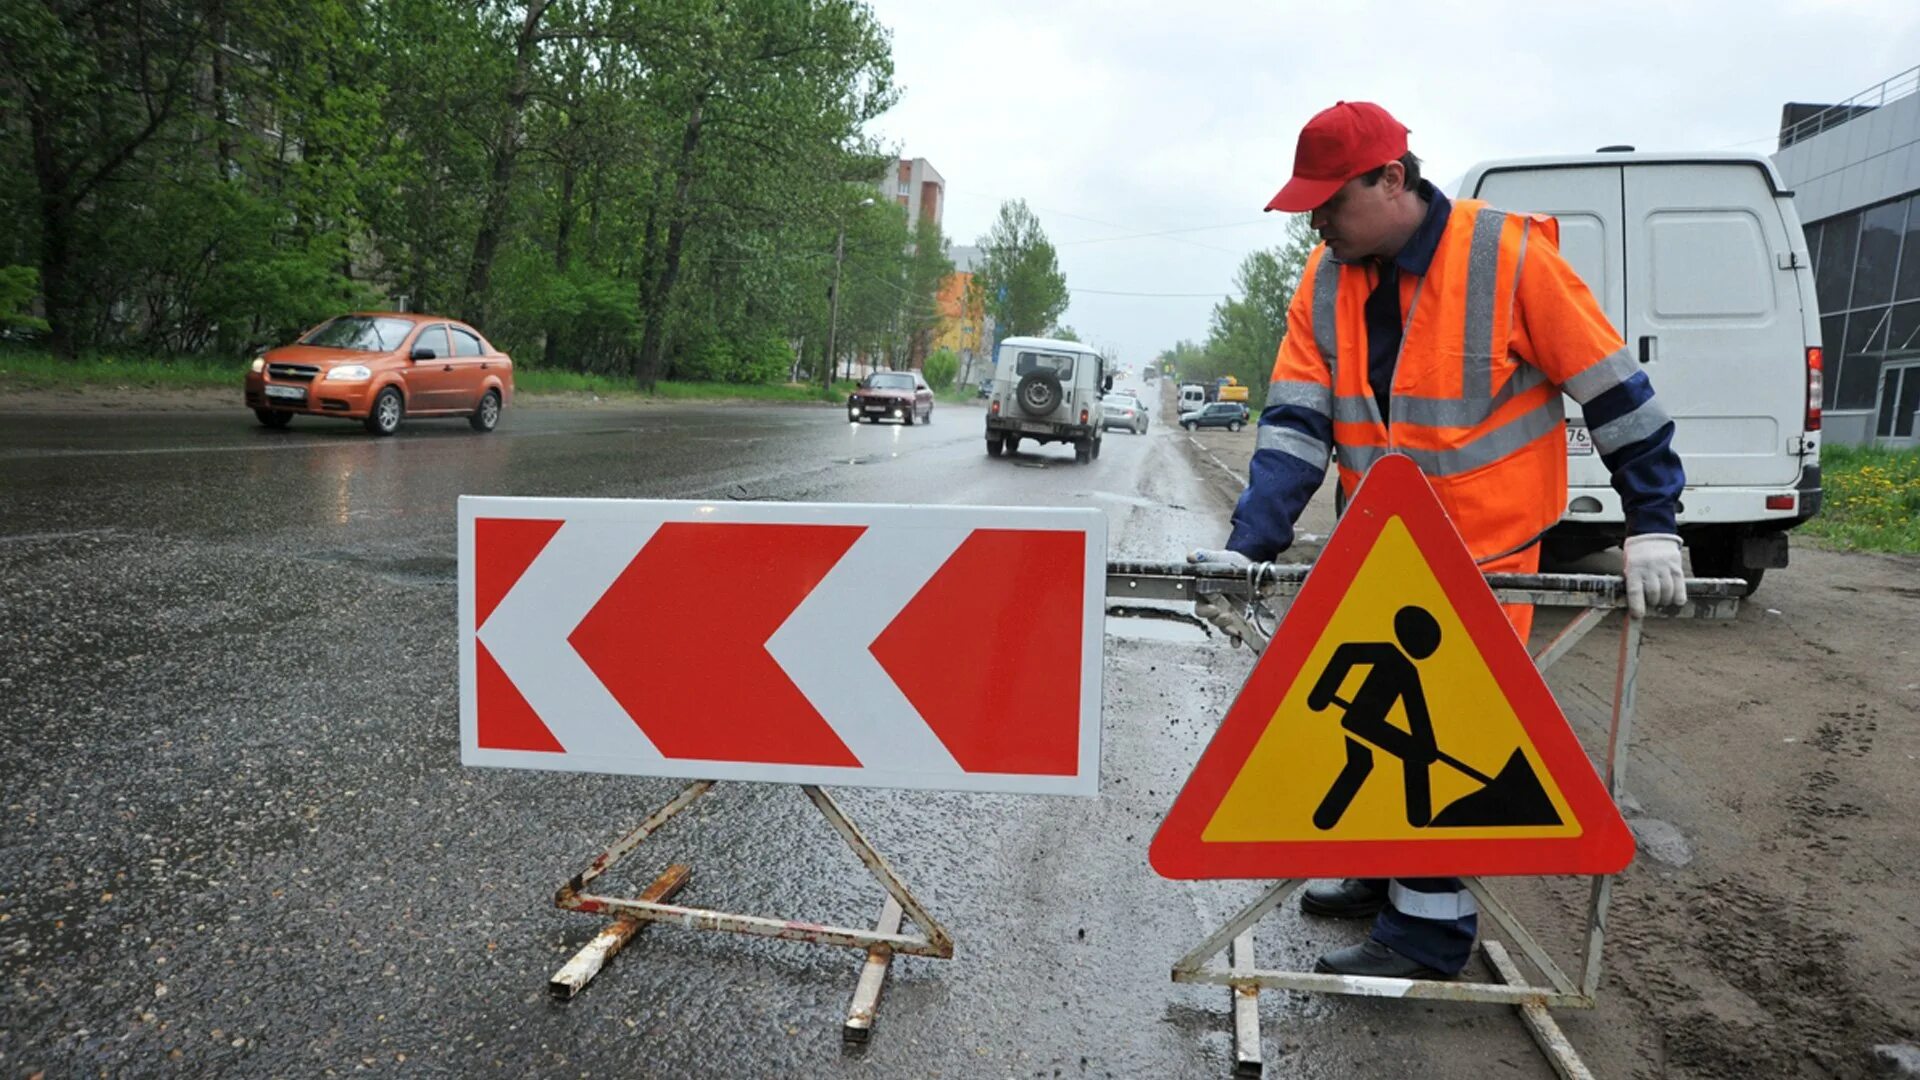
{"points": [[1867, 276]]}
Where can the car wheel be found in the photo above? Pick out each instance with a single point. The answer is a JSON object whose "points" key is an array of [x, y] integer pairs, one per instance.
{"points": [[488, 414], [1188, 424], [1233, 425], [928, 419], [273, 418], [384, 419], [995, 446], [907, 417]]}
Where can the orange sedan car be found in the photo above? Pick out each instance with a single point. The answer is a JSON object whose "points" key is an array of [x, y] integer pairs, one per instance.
{"points": [[377, 367]]}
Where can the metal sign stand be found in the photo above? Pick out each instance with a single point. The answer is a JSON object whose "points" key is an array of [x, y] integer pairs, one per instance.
{"points": [[652, 905], [1598, 595]]}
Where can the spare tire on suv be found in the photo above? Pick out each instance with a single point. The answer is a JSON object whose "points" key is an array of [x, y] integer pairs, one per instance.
{"points": [[1039, 393]]}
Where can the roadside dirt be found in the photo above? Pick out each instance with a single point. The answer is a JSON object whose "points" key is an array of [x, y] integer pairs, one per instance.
{"points": [[1767, 926]]}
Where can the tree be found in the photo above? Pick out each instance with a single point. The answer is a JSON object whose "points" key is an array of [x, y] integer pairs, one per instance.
{"points": [[1247, 330], [1064, 333], [1025, 291], [940, 368]]}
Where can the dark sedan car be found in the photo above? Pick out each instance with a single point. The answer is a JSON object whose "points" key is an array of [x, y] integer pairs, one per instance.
{"points": [[891, 395], [1227, 414]]}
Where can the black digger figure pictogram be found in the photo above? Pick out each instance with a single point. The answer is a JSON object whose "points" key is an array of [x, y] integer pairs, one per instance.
{"points": [[1514, 797]]}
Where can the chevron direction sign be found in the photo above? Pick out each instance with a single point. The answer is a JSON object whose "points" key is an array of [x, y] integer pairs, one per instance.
{"points": [[933, 647]]}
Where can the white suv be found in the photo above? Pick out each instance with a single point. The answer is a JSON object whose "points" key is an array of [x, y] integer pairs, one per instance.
{"points": [[1047, 391]]}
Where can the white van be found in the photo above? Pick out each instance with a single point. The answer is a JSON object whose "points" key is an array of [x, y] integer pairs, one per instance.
{"points": [[1700, 262], [1193, 397]]}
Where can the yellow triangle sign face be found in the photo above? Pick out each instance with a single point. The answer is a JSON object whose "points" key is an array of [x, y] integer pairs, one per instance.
{"points": [[1394, 727]]}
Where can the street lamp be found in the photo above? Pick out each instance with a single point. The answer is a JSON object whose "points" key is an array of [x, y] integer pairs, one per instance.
{"points": [[833, 316]]}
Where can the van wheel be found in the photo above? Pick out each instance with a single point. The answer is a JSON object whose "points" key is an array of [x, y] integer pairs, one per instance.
{"points": [[1718, 556], [488, 414], [1083, 450], [1013, 444], [995, 445], [1096, 447], [384, 418], [274, 418]]}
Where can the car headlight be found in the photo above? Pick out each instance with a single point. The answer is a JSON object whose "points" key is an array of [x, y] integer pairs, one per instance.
{"points": [[350, 373], [259, 364]]}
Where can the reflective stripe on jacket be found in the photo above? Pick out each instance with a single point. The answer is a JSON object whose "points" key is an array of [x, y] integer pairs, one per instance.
{"points": [[1495, 330]]}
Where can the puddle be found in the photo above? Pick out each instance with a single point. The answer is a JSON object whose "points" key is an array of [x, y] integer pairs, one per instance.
{"points": [[1155, 624]]}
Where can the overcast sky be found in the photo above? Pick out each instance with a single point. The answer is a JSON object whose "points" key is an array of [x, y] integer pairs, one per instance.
{"points": [[1124, 117]]}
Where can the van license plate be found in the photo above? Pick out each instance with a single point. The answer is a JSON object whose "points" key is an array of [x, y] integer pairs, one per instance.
{"points": [[1579, 441], [288, 393]]}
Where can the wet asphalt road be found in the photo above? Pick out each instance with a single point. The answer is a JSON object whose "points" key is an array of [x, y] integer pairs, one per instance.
{"points": [[238, 840]]}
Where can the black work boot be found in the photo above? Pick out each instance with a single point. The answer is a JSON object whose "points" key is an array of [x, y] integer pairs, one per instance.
{"points": [[1372, 958], [1348, 898]]}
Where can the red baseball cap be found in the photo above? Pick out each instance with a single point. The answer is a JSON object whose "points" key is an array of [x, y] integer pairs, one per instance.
{"points": [[1348, 140]]}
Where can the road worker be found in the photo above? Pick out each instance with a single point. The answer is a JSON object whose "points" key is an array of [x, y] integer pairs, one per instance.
{"points": [[1445, 330]]}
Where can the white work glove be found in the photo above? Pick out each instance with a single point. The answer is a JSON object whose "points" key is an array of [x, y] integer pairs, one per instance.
{"points": [[1221, 610], [1653, 573]]}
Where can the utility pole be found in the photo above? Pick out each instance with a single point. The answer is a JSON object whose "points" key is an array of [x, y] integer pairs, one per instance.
{"points": [[833, 317], [833, 314]]}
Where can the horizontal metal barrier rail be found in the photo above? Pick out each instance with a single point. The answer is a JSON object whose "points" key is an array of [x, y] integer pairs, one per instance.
{"points": [[1707, 598]]}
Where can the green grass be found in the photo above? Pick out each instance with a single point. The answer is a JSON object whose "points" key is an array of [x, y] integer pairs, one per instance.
{"points": [[32, 370], [1872, 499], [22, 369]]}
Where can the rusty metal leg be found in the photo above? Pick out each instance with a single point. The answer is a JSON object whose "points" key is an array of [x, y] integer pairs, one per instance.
{"points": [[1240, 923], [569, 895], [1246, 1012], [873, 976], [579, 971], [1540, 1023], [937, 936]]}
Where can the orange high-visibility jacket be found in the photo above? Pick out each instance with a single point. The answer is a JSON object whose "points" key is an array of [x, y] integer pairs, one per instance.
{"points": [[1495, 330]]}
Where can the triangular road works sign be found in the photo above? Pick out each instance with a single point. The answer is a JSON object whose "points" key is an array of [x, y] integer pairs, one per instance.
{"points": [[1395, 726]]}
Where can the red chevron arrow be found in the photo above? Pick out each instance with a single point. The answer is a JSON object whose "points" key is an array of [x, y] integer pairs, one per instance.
{"points": [[989, 651], [680, 637]]}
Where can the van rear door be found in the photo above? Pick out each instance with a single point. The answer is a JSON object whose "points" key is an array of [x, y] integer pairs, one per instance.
{"points": [[1715, 316], [1686, 258], [1586, 202]]}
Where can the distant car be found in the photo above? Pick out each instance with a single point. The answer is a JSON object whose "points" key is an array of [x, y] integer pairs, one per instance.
{"points": [[986, 387], [891, 395], [377, 367], [1227, 414], [1123, 410]]}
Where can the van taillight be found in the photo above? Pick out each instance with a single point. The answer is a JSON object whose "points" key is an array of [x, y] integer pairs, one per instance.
{"points": [[1815, 387], [994, 408]]}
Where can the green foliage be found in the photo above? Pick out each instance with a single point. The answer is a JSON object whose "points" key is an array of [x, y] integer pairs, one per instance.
{"points": [[593, 175], [941, 368], [1064, 333], [18, 286], [1871, 499], [1025, 291]]}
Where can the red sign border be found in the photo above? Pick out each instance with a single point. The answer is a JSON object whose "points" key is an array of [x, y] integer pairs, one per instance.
{"points": [[1393, 488]]}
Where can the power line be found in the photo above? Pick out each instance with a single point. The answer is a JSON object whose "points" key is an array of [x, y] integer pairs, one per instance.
{"points": [[1165, 295]]}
